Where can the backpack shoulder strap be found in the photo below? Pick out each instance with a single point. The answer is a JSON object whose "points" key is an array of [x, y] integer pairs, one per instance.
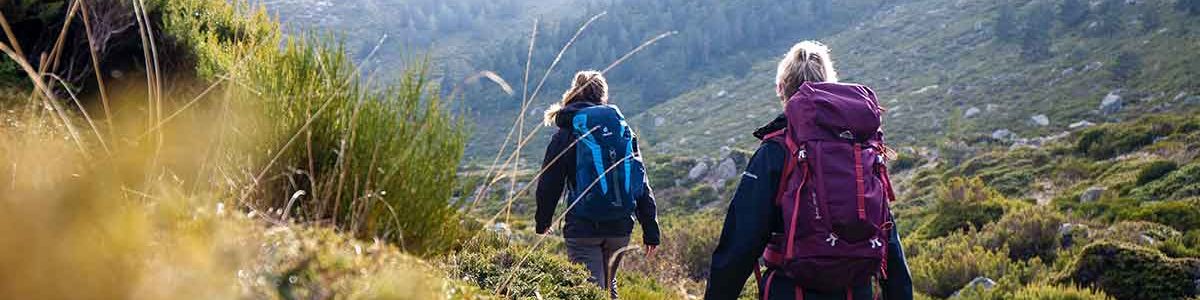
{"points": [[789, 164]]}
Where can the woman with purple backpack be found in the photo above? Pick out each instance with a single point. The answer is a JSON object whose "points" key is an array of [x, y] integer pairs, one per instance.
{"points": [[813, 203]]}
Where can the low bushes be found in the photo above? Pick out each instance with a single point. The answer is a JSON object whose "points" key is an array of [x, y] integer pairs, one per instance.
{"points": [[1183, 215], [1186, 245], [961, 204], [1027, 233], [1155, 170], [1180, 184], [1057, 292], [906, 161], [1110, 140], [941, 267], [687, 248], [1132, 272], [515, 271]]}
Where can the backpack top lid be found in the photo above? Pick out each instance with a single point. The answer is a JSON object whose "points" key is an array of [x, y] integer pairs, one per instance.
{"points": [[829, 111]]}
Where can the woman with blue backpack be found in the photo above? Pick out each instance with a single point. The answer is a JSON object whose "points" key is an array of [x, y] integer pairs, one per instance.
{"points": [[594, 158], [812, 207]]}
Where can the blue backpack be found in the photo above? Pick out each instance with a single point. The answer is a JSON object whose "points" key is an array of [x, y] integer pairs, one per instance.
{"points": [[609, 175]]}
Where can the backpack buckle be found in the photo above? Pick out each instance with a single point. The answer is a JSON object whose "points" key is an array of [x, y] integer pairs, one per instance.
{"points": [[846, 135], [802, 155]]}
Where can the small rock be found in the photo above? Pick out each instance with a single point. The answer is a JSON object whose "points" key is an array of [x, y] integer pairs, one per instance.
{"points": [[501, 228], [1192, 100], [1148, 240], [1068, 232], [1002, 134], [722, 93], [925, 89], [659, 121], [1082, 124], [971, 112], [980, 283], [726, 170], [1092, 66], [1068, 72], [1111, 104], [1092, 194], [697, 171], [1179, 96], [1041, 120]]}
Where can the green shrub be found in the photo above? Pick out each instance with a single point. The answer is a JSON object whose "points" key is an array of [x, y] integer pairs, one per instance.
{"points": [[665, 171], [1110, 140], [1155, 170], [1071, 169], [632, 286], [1182, 215], [906, 161], [1132, 272], [1012, 183], [524, 273], [1027, 233], [11, 73], [942, 266], [1055, 292], [1183, 246], [687, 249], [963, 203], [698, 196], [1137, 233], [377, 162], [1180, 184]]}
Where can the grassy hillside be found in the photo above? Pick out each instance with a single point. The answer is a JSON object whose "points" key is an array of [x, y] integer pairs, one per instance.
{"points": [[399, 32], [932, 62]]}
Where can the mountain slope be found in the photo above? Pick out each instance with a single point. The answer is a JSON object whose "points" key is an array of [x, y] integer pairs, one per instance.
{"points": [[942, 71]]}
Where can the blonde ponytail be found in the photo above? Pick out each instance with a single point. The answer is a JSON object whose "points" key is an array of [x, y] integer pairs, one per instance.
{"points": [[807, 61], [588, 86]]}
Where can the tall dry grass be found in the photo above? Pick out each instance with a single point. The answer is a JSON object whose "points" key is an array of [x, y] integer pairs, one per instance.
{"points": [[204, 188]]}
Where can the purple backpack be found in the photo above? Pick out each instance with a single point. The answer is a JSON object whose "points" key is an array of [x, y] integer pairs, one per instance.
{"points": [[834, 191]]}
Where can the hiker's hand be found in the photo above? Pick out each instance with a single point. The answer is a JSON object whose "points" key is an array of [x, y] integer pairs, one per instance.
{"points": [[651, 250]]}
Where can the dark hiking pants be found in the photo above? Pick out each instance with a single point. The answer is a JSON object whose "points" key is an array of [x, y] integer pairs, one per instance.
{"points": [[596, 254]]}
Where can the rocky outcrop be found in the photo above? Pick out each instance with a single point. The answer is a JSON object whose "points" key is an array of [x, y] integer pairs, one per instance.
{"points": [[1111, 104]]}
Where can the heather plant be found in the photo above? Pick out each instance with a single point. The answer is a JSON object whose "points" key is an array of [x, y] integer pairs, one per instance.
{"points": [[963, 204], [1027, 233]]}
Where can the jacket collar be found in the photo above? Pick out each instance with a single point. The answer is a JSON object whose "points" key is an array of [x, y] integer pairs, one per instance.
{"points": [[780, 122]]}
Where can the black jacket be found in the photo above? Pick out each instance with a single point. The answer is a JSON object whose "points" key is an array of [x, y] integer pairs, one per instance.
{"points": [[752, 216], [559, 177]]}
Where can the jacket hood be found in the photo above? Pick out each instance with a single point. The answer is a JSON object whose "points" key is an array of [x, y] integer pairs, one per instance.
{"points": [[780, 122], [567, 114]]}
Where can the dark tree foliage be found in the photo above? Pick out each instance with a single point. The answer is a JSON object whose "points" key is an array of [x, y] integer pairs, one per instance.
{"points": [[1189, 6], [714, 37], [37, 26], [1035, 32], [1073, 12], [1108, 18], [1006, 23], [1150, 19], [1126, 66]]}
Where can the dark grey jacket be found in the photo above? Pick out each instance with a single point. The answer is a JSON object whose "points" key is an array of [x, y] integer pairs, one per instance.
{"points": [[559, 177]]}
